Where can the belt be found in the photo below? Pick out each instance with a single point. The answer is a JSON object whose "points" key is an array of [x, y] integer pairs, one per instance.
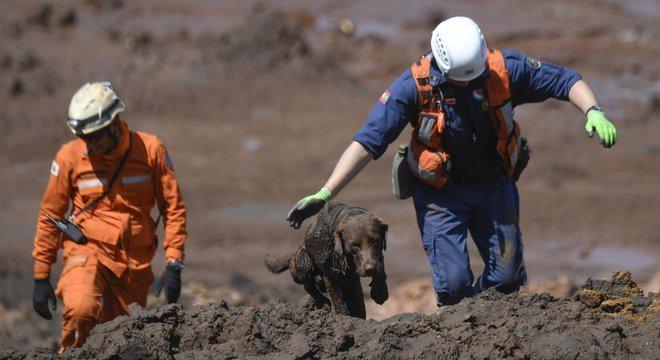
{"points": [[464, 180]]}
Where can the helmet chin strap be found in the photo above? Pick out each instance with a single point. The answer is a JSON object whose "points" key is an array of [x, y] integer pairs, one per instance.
{"points": [[114, 134]]}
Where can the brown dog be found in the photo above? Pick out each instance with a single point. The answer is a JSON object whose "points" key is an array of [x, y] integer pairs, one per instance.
{"points": [[341, 245]]}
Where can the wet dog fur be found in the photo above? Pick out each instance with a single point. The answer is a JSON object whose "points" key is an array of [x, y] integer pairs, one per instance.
{"points": [[342, 244]]}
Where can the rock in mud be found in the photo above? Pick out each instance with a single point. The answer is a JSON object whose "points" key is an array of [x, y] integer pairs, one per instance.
{"points": [[618, 295]]}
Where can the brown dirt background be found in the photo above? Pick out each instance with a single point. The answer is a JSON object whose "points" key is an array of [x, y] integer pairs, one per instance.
{"points": [[255, 107]]}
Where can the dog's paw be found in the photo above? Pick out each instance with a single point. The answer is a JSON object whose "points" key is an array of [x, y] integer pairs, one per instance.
{"points": [[379, 292], [379, 296]]}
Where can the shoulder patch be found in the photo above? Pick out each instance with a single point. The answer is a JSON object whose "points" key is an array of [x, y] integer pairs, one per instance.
{"points": [[385, 96], [532, 62], [168, 161], [54, 169]]}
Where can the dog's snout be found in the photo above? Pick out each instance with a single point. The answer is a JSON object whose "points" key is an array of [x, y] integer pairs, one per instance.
{"points": [[370, 269]]}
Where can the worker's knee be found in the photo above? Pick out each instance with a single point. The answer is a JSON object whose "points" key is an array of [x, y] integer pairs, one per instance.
{"points": [[455, 286], [452, 297], [83, 308], [508, 280]]}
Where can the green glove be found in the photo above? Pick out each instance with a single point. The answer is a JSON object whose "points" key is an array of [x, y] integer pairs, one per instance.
{"points": [[606, 131], [307, 207]]}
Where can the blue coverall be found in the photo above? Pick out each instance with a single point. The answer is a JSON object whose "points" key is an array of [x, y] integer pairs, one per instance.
{"points": [[478, 199]]}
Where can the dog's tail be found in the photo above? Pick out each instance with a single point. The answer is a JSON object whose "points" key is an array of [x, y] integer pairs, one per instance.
{"points": [[277, 265]]}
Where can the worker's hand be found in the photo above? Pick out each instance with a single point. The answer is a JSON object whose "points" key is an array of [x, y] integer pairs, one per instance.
{"points": [[606, 131], [307, 207], [42, 295], [170, 281]]}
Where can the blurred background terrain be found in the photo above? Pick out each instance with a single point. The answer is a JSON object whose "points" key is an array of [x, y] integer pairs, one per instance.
{"points": [[256, 100]]}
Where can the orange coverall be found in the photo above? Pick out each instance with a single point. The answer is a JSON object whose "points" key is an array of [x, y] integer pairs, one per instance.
{"points": [[113, 269]]}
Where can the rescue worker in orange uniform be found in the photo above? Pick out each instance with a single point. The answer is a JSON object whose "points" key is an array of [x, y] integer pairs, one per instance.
{"points": [[110, 178]]}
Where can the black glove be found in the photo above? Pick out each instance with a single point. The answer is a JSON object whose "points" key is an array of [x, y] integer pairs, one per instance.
{"points": [[43, 293], [307, 207], [171, 282]]}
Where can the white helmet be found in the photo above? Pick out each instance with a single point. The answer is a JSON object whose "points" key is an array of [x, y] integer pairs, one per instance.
{"points": [[93, 107], [459, 48]]}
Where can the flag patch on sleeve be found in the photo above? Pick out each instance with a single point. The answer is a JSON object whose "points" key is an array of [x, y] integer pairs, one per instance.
{"points": [[383, 98], [54, 169]]}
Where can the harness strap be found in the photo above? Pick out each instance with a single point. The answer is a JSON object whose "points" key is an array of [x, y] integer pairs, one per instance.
{"points": [[112, 181]]}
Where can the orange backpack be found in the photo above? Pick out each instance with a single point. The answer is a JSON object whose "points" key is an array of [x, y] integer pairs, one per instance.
{"points": [[426, 158]]}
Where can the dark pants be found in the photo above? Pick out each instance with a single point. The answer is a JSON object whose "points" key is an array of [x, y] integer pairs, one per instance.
{"points": [[489, 211]]}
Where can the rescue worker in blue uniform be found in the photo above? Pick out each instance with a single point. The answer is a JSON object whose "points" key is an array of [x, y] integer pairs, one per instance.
{"points": [[480, 195]]}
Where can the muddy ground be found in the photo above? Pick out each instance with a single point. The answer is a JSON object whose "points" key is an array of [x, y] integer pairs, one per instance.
{"points": [[256, 101], [604, 319]]}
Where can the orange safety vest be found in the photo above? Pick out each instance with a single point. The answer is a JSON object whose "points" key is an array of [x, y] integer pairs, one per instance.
{"points": [[426, 157]]}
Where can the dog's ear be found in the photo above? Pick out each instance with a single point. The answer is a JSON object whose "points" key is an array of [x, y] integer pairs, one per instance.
{"points": [[339, 254], [384, 228]]}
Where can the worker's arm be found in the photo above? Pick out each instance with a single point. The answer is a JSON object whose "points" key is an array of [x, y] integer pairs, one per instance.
{"points": [[54, 203], [170, 205], [351, 162], [393, 110], [533, 80], [583, 98]]}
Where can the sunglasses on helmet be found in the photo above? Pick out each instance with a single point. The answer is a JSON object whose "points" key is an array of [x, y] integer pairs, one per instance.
{"points": [[96, 136]]}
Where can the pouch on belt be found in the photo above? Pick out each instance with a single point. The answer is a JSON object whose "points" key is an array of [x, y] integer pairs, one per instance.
{"points": [[402, 179]]}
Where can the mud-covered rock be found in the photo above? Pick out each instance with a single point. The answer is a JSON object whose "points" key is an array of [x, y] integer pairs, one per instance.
{"points": [[617, 295]]}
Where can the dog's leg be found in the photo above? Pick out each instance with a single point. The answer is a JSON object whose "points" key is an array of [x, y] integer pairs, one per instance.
{"points": [[354, 298], [318, 298], [336, 298], [379, 292]]}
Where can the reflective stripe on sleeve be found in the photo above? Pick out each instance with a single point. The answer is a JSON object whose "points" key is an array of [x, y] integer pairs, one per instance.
{"points": [[84, 184]]}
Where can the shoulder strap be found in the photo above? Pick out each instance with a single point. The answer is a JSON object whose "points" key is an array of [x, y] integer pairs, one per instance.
{"points": [[498, 83], [427, 94], [112, 181]]}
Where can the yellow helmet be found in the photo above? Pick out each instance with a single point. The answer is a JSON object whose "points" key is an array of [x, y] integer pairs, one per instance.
{"points": [[93, 107]]}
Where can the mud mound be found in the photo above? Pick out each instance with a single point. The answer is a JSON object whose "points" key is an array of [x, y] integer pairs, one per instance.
{"points": [[268, 37], [272, 38], [491, 325]]}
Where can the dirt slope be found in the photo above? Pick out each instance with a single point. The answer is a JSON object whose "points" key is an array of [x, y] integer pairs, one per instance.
{"points": [[605, 319]]}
